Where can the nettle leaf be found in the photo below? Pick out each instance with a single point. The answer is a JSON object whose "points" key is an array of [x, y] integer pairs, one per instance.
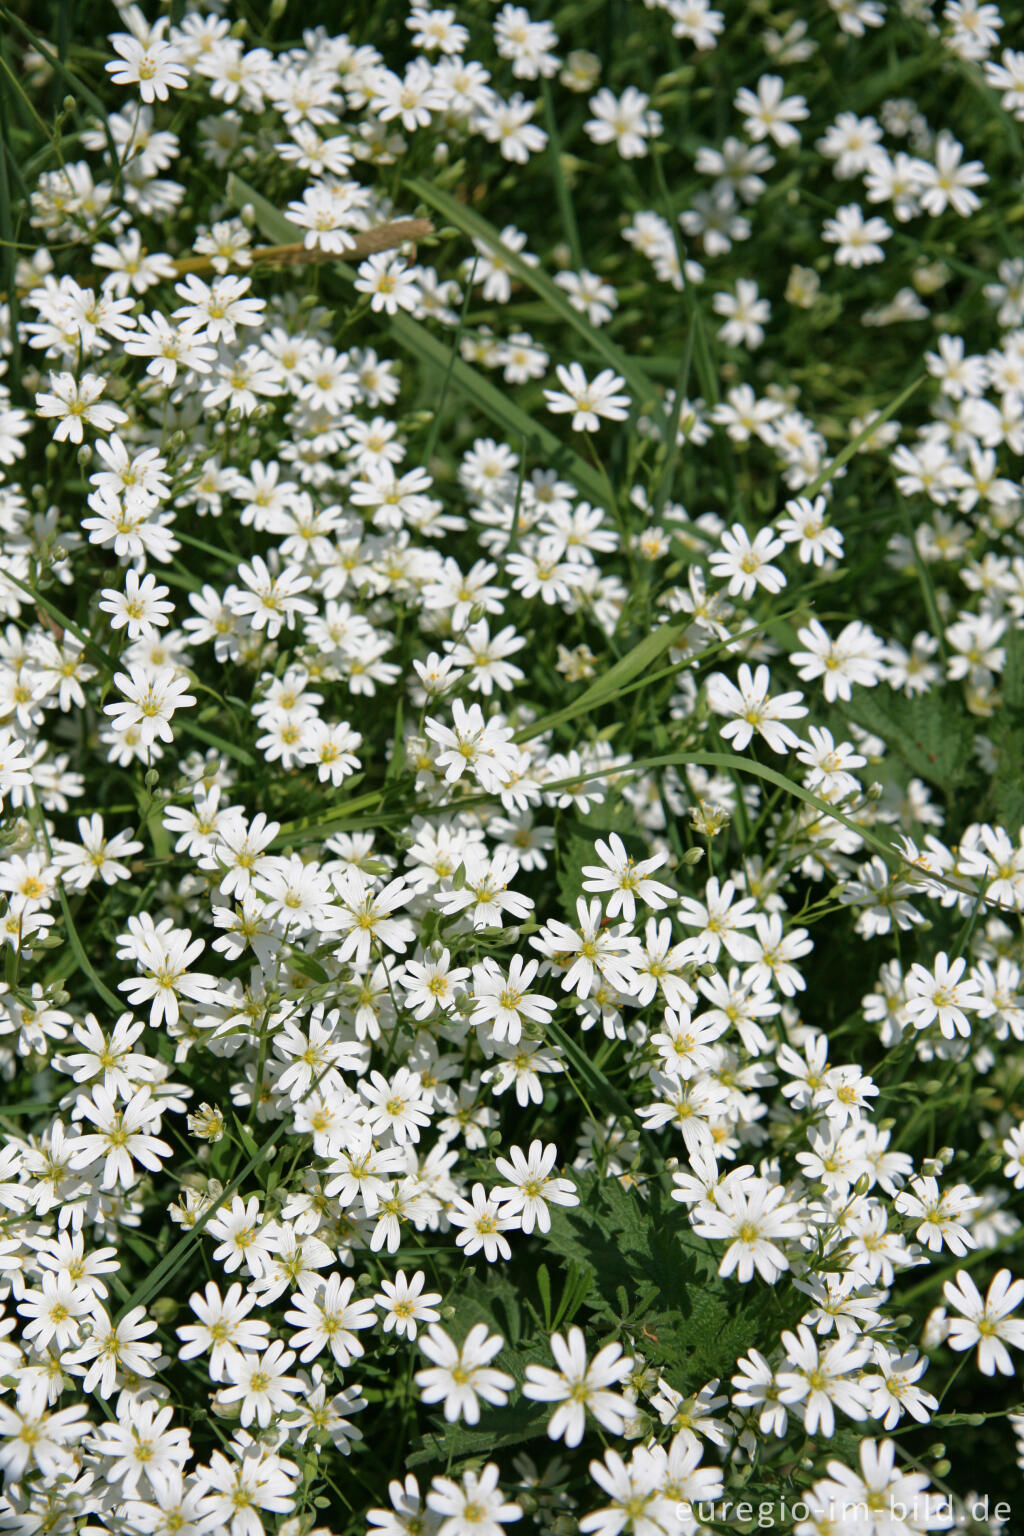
{"points": [[932, 733], [654, 1281], [511, 1425], [1007, 784], [493, 1300]]}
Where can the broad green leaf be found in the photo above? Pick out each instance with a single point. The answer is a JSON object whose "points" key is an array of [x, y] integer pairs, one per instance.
{"points": [[511, 1425], [931, 732]]}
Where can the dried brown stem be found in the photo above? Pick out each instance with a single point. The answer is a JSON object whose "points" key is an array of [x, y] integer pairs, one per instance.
{"points": [[383, 237]]}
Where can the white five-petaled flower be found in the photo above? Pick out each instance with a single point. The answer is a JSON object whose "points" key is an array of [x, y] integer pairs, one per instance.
{"points": [[751, 709], [767, 114], [532, 1187], [484, 746], [626, 879], [986, 1321], [405, 1304], [475, 1506], [460, 1375], [151, 64], [745, 563], [588, 400], [580, 1387], [74, 401], [259, 1383], [942, 995], [754, 1217], [502, 1000]]}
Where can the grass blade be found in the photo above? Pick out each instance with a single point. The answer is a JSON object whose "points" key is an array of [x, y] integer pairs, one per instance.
{"points": [[645, 392], [420, 343]]}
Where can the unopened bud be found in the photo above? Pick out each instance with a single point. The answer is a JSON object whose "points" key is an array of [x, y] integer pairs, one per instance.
{"points": [[693, 856]]}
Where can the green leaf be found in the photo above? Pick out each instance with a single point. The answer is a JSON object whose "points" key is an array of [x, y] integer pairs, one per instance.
{"points": [[544, 1288], [1007, 784], [494, 1301], [117, 1004], [306, 965], [653, 1278], [511, 1425], [931, 732], [1013, 671], [608, 687]]}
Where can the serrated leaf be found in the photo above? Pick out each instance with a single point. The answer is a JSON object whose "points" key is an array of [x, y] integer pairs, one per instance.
{"points": [[511, 1425], [932, 732], [654, 1279]]}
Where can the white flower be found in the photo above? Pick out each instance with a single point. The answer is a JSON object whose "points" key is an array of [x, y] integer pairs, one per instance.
{"points": [[96, 854], [752, 709], [325, 1319], [625, 121], [625, 879], [579, 1387], [822, 1380], [858, 241], [483, 746], [767, 114], [504, 1000], [122, 1136], [390, 284], [752, 1217], [531, 1188], [154, 66], [140, 608], [987, 1322], [461, 1374], [74, 402], [482, 1221], [588, 400], [224, 1327], [745, 314], [475, 1506], [405, 1304], [151, 698], [942, 995], [745, 563]]}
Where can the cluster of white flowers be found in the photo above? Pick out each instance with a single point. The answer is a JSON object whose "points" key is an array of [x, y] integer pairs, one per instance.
{"points": [[357, 768]]}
